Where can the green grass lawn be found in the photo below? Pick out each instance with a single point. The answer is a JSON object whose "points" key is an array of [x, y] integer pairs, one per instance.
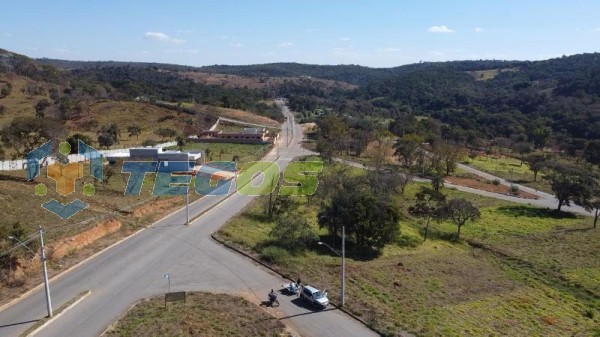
{"points": [[509, 168], [537, 277], [203, 314], [225, 152]]}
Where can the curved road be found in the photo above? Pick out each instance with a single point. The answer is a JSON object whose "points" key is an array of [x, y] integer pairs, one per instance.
{"points": [[134, 269]]}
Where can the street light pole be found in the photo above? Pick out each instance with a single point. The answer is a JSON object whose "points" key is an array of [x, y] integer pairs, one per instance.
{"points": [[187, 207], [44, 270], [343, 265], [343, 256]]}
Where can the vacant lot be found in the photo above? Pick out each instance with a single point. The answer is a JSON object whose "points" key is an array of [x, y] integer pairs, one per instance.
{"points": [[21, 207], [203, 314], [510, 169], [504, 279], [225, 152]]}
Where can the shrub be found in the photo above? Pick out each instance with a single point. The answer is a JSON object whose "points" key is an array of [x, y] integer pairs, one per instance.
{"points": [[149, 142], [274, 254], [514, 190], [496, 182]]}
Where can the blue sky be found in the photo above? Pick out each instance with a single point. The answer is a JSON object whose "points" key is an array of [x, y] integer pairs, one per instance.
{"points": [[372, 33]]}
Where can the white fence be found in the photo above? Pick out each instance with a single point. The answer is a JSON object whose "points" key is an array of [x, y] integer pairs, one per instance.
{"points": [[21, 164]]}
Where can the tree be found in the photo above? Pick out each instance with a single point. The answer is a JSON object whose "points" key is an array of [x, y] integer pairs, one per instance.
{"points": [[372, 222], [25, 133], [460, 211], [537, 162], [522, 148], [6, 90], [134, 130], [108, 173], [40, 107], [332, 134], [74, 141], [569, 183], [293, 232], [592, 152], [207, 154], [181, 140], [437, 183], [591, 199], [450, 155], [106, 140], [406, 148], [427, 206]]}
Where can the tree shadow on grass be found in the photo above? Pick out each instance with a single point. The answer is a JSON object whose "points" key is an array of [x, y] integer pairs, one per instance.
{"points": [[534, 212], [352, 251]]}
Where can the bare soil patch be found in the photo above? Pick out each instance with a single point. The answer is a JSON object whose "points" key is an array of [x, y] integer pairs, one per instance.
{"points": [[485, 186]]}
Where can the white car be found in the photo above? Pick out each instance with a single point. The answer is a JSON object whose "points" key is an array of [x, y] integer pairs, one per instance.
{"points": [[314, 296]]}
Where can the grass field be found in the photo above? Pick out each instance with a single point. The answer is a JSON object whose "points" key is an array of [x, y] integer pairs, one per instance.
{"points": [[509, 168], [535, 274], [203, 314], [225, 152]]}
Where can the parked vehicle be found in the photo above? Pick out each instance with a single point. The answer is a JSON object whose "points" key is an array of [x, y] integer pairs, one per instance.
{"points": [[292, 288], [314, 296]]}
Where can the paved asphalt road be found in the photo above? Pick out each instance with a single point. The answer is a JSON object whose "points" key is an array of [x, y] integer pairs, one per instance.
{"points": [[544, 200], [134, 269]]}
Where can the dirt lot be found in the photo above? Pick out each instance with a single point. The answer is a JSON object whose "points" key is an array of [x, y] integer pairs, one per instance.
{"points": [[485, 186], [203, 314]]}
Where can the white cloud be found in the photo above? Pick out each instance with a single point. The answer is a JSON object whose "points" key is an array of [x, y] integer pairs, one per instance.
{"points": [[597, 29], [185, 31], [162, 37], [391, 50], [440, 29], [478, 30], [285, 44], [236, 45], [345, 39], [5, 34], [309, 30]]}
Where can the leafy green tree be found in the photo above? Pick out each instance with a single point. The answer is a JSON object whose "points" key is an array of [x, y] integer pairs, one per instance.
{"points": [[592, 152], [437, 183], [536, 162], [74, 139], [40, 107], [406, 148], [181, 141], [522, 148], [107, 174], [134, 130], [106, 140], [569, 183], [427, 206], [459, 211], [293, 232], [332, 133], [24, 133], [372, 222], [6, 90]]}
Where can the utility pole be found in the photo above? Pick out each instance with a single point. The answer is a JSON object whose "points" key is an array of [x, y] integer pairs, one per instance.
{"points": [[343, 256], [343, 265], [45, 272]]}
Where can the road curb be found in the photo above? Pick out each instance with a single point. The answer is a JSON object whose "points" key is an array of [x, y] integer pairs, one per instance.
{"points": [[43, 325], [241, 252]]}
